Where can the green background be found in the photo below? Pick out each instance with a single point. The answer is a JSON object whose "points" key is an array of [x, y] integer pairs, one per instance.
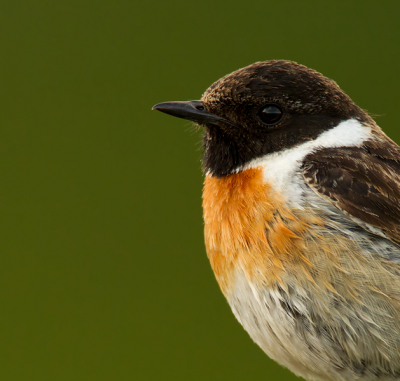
{"points": [[103, 272]]}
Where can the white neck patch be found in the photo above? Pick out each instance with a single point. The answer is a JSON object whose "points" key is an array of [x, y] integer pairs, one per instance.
{"points": [[280, 168]]}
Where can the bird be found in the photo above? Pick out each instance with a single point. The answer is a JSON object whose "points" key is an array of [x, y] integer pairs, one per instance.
{"points": [[301, 208]]}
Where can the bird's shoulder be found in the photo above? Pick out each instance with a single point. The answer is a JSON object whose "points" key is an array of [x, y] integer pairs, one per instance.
{"points": [[363, 182]]}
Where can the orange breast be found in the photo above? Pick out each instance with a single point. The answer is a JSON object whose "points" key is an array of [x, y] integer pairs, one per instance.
{"points": [[247, 227]]}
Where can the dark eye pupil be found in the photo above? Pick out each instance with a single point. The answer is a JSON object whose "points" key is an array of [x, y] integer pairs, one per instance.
{"points": [[270, 114]]}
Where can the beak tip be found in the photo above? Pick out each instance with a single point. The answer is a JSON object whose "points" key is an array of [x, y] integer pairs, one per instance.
{"points": [[189, 110]]}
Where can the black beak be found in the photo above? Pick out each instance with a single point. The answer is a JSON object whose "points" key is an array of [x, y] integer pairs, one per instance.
{"points": [[190, 110]]}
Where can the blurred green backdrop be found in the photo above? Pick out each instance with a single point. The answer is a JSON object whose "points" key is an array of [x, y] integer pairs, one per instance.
{"points": [[103, 272]]}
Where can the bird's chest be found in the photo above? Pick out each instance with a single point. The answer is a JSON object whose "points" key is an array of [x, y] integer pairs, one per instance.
{"points": [[249, 229], [256, 244]]}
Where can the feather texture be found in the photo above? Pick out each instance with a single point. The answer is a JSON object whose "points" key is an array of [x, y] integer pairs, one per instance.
{"points": [[364, 182]]}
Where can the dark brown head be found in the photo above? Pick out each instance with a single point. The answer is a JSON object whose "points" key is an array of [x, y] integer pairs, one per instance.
{"points": [[264, 108]]}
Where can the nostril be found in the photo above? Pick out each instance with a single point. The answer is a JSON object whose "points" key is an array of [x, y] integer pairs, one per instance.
{"points": [[200, 108]]}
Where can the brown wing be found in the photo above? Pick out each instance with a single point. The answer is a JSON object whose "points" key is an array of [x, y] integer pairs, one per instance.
{"points": [[364, 182]]}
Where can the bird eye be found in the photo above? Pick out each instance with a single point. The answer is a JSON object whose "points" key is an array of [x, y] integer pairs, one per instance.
{"points": [[270, 114]]}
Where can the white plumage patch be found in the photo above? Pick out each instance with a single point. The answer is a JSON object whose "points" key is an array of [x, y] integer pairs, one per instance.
{"points": [[280, 167]]}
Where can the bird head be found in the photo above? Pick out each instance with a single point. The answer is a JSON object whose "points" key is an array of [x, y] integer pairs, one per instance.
{"points": [[261, 109]]}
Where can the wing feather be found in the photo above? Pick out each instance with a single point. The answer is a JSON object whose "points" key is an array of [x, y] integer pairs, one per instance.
{"points": [[364, 182]]}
